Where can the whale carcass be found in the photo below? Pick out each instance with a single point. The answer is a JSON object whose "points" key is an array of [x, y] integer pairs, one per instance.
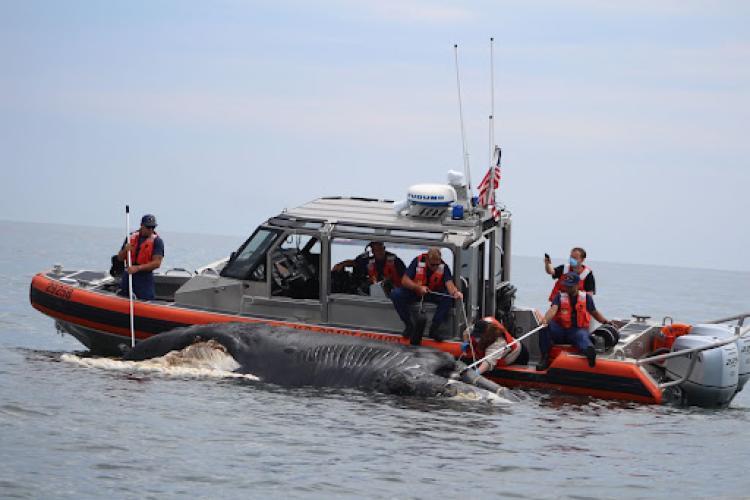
{"points": [[290, 357]]}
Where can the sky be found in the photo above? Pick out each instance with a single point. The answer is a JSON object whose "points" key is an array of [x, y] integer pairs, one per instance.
{"points": [[623, 124]]}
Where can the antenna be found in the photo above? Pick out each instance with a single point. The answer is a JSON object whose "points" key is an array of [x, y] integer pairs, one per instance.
{"points": [[491, 137], [492, 98], [495, 152], [467, 171]]}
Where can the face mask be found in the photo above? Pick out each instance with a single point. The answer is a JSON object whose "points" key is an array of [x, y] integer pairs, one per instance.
{"points": [[573, 262]]}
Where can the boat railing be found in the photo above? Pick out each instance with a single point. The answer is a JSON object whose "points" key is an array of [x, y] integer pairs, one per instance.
{"points": [[212, 268], [740, 318], [740, 332], [173, 270]]}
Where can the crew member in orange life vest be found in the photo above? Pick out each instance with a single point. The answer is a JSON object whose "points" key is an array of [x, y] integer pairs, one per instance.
{"points": [[146, 253], [576, 265], [427, 273], [490, 338], [568, 320], [379, 266]]}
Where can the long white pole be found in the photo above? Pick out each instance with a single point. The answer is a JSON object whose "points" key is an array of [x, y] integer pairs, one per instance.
{"points": [[467, 170], [494, 162], [492, 97], [130, 276]]}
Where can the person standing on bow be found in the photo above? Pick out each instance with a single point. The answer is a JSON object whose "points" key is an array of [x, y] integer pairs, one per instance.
{"points": [[568, 320], [146, 253], [575, 265], [427, 278]]}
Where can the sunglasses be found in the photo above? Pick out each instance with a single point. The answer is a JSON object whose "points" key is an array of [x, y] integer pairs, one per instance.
{"points": [[150, 227]]}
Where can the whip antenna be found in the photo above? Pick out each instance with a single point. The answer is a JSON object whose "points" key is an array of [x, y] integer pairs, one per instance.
{"points": [[492, 98], [491, 136], [467, 171]]}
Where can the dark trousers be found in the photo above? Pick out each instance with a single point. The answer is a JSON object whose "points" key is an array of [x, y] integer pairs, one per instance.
{"points": [[143, 285], [403, 298], [556, 334]]}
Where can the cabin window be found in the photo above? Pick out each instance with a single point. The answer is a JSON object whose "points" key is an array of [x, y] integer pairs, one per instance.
{"points": [[249, 263], [295, 267], [350, 272]]}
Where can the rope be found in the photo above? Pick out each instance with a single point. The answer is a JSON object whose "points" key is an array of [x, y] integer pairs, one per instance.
{"points": [[463, 311]]}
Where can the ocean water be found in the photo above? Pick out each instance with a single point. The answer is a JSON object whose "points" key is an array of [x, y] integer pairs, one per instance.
{"points": [[69, 429]]}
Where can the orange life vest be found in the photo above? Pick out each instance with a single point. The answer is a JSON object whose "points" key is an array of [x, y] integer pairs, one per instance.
{"points": [[436, 278], [668, 334], [564, 314], [559, 286], [508, 339], [141, 254], [389, 270]]}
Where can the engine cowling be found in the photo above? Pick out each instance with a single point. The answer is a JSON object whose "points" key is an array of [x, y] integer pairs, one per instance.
{"points": [[714, 379]]}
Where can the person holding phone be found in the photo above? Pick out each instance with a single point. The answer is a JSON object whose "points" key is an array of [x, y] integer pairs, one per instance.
{"points": [[575, 265]]}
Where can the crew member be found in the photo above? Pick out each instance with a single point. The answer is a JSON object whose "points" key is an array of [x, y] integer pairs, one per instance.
{"points": [[568, 320], [490, 339], [379, 266], [428, 277], [575, 265], [146, 253]]}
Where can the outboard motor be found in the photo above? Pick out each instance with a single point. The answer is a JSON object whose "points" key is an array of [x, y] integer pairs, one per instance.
{"points": [[720, 332], [714, 379]]}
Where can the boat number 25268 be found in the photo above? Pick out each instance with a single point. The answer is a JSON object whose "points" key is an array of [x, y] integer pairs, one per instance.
{"points": [[62, 291]]}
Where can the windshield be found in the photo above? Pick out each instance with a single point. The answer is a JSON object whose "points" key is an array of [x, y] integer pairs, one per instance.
{"points": [[250, 255]]}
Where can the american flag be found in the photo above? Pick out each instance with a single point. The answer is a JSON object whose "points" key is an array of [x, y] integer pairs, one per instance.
{"points": [[490, 183]]}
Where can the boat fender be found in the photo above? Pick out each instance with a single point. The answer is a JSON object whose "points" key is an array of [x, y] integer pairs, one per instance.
{"points": [[666, 337]]}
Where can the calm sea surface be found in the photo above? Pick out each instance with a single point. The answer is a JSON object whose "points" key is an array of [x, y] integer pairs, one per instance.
{"points": [[69, 431]]}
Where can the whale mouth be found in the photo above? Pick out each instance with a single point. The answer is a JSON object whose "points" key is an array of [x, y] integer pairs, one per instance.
{"points": [[208, 359]]}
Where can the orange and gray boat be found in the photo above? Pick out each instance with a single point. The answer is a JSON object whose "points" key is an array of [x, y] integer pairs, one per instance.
{"points": [[283, 275]]}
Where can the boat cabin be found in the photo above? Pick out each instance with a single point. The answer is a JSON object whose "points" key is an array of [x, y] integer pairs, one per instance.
{"points": [[284, 270]]}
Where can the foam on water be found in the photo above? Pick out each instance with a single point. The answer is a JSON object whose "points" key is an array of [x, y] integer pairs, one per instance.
{"points": [[202, 360]]}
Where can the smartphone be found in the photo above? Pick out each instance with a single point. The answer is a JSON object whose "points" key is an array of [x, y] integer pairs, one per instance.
{"points": [[546, 256]]}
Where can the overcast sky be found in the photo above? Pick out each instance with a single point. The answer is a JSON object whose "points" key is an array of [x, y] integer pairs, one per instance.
{"points": [[623, 124]]}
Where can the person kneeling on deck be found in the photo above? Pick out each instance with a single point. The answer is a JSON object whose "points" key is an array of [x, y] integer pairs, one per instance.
{"points": [[427, 278], [146, 253], [490, 338], [568, 320]]}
